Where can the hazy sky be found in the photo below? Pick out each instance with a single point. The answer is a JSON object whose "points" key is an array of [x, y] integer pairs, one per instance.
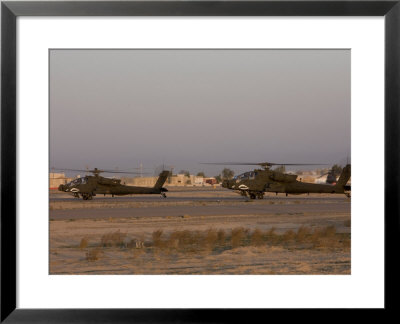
{"points": [[120, 108]]}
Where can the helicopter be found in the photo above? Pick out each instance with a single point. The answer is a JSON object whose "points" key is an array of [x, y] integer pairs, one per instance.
{"points": [[254, 184], [89, 186]]}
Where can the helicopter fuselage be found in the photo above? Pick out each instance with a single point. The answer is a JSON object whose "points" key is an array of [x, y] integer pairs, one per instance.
{"points": [[256, 183], [90, 186]]}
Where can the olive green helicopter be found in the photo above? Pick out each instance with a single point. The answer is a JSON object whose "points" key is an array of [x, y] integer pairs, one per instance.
{"points": [[91, 185], [254, 184]]}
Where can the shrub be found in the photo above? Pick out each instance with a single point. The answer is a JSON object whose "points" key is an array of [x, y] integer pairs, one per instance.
{"points": [[221, 237], [289, 235], [329, 231], [84, 243], [93, 255], [113, 239], [211, 238], [302, 233], [271, 232], [257, 238], [157, 241], [238, 235]]}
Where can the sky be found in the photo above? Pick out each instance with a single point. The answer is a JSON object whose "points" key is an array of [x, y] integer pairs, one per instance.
{"points": [[122, 108]]}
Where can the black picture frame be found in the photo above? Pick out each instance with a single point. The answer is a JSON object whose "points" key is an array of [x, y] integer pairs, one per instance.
{"points": [[10, 10]]}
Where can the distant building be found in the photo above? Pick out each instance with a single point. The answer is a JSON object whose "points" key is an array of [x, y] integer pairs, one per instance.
{"points": [[56, 179], [210, 181], [198, 181], [173, 180]]}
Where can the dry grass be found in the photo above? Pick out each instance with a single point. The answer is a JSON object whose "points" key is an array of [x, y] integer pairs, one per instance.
{"points": [[157, 241], [221, 237], [94, 254], [271, 233], [303, 233], [84, 243], [257, 238], [289, 235], [329, 231], [213, 240], [217, 241], [113, 239], [238, 236]]}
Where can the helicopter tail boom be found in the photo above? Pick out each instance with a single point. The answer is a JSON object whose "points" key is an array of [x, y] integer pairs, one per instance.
{"points": [[161, 179], [344, 177]]}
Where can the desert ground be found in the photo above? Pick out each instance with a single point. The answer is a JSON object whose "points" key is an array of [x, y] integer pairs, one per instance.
{"points": [[200, 230]]}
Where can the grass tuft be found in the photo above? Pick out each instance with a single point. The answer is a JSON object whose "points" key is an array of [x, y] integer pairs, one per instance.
{"points": [[94, 254], [257, 238], [237, 237], [211, 239], [289, 235], [221, 236], [303, 233], [84, 243], [113, 239], [157, 240]]}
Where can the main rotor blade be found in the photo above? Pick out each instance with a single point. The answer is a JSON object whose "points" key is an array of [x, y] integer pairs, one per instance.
{"points": [[97, 171], [229, 163], [78, 170], [125, 172], [262, 163]]}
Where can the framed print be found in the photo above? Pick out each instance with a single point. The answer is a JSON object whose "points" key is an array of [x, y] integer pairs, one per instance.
{"points": [[160, 158]]}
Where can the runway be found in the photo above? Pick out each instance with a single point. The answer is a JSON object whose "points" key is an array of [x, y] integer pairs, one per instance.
{"points": [[193, 202], [167, 211]]}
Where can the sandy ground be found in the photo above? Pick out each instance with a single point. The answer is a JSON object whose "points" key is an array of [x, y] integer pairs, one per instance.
{"points": [[77, 229]]}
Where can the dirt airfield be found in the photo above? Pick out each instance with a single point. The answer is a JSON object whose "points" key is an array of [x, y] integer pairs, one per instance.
{"points": [[200, 230]]}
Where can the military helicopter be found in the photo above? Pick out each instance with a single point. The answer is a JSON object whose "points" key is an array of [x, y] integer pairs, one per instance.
{"points": [[89, 186], [255, 183]]}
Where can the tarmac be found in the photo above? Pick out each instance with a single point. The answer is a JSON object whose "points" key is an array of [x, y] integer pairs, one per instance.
{"points": [[193, 202]]}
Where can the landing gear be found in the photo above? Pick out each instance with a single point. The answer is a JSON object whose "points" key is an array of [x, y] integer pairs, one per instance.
{"points": [[348, 194], [256, 194], [243, 193], [87, 196], [163, 195]]}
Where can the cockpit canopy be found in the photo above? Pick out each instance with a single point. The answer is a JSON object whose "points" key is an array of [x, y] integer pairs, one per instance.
{"points": [[246, 175], [77, 182]]}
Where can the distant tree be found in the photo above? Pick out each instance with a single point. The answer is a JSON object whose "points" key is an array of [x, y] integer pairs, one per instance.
{"points": [[218, 178], [227, 174], [185, 172], [201, 174]]}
